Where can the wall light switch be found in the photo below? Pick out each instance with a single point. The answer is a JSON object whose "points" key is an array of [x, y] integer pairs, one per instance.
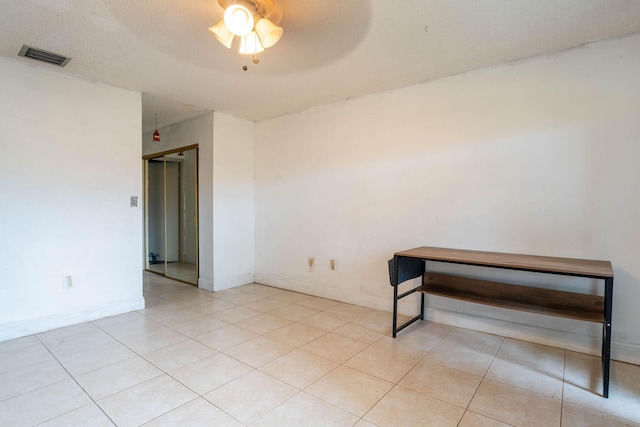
{"points": [[134, 201]]}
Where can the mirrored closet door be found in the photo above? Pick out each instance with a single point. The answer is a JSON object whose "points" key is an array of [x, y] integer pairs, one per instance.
{"points": [[171, 214]]}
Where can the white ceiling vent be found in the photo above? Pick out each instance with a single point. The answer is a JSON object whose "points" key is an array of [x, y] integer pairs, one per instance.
{"points": [[43, 55]]}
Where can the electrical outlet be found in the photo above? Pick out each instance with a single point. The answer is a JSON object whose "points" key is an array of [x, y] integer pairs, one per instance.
{"points": [[312, 261], [332, 263], [67, 282]]}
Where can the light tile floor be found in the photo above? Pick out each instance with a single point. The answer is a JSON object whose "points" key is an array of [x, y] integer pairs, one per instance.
{"points": [[263, 356], [182, 271]]}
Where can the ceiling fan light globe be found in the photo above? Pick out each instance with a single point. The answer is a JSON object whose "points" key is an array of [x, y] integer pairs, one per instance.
{"points": [[222, 33], [250, 44], [238, 19], [268, 32]]}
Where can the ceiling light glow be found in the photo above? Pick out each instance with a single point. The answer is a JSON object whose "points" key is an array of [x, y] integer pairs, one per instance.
{"points": [[238, 19], [252, 22]]}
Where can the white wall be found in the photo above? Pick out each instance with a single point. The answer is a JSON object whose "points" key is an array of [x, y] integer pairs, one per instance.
{"points": [[71, 152], [538, 157], [199, 131], [233, 201], [225, 194]]}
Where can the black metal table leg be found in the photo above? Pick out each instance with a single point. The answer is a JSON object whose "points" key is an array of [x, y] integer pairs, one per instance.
{"points": [[402, 269], [394, 283], [606, 335]]}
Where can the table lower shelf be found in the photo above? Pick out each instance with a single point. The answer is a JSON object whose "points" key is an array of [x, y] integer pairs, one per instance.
{"points": [[516, 297]]}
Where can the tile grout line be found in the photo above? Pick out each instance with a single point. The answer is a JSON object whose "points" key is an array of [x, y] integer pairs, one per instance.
{"points": [[77, 383], [254, 369], [484, 376], [397, 383], [167, 373], [341, 364], [564, 377]]}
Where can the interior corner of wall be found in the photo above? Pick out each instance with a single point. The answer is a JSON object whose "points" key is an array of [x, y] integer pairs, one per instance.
{"points": [[205, 284], [233, 282]]}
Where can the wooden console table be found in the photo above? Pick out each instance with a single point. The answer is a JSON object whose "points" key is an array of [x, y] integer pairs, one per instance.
{"points": [[411, 263]]}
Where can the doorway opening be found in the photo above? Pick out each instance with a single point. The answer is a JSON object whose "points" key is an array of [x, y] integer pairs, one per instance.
{"points": [[171, 214]]}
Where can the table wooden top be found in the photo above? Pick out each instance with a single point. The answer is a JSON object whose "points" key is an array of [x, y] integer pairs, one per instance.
{"points": [[578, 267]]}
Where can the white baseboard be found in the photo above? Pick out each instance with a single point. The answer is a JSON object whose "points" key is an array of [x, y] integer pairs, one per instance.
{"points": [[205, 284], [41, 324], [232, 282], [625, 352], [334, 294], [620, 351]]}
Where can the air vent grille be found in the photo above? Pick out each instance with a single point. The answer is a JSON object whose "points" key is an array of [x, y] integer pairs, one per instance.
{"points": [[43, 55]]}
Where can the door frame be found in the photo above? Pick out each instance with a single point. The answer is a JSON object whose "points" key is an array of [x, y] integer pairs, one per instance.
{"points": [[147, 157]]}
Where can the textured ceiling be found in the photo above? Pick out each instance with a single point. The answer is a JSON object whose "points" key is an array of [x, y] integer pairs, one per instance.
{"points": [[330, 50]]}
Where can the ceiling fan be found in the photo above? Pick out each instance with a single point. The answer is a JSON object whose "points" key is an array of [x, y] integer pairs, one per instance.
{"points": [[253, 21]]}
